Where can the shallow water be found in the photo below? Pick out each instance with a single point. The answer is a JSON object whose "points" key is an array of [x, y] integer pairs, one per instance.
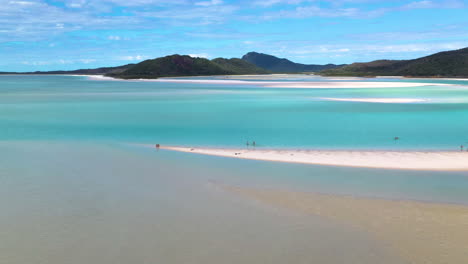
{"points": [[82, 203], [73, 190]]}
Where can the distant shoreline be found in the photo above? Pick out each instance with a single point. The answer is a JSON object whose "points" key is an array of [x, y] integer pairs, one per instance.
{"points": [[275, 84], [454, 78]]}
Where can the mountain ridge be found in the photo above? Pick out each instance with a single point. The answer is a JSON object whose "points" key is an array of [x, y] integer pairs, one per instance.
{"points": [[184, 65], [282, 65], [453, 63], [448, 64]]}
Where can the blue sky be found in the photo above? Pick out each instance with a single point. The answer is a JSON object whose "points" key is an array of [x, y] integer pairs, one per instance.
{"points": [[71, 34]]}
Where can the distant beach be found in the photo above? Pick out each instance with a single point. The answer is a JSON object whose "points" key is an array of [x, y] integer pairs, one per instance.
{"points": [[331, 82]]}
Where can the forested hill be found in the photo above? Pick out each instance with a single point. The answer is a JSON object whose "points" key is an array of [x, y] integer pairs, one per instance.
{"points": [[443, 64], [278, 65], [184, 65]]}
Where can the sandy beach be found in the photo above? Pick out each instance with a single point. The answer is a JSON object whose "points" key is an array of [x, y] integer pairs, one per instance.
{"points": [[422, 233], [407, 160]]}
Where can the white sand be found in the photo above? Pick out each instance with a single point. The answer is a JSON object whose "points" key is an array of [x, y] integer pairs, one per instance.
{"points": [[276, 84], [305, 85], [288, 77], [99, 78], [326, 84], [378, 100], [409, 160]]}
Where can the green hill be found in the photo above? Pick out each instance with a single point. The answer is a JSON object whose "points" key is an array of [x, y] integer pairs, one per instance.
{"points": [[183, 65], [278, 65], [443, 64], [239, 66]]}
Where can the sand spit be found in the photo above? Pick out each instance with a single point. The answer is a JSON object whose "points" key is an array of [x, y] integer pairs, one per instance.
{"points": [[406, 160], [377, 100], [352, 85], [304, 85], [420, 232]]}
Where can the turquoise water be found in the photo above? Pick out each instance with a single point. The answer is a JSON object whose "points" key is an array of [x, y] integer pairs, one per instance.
{"points": [[72, 190], [75, 108]]}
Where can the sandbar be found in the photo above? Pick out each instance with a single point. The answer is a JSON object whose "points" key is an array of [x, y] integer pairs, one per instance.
{"points": [[351, 85], [277, 84], [406, 160], [377, 100]]}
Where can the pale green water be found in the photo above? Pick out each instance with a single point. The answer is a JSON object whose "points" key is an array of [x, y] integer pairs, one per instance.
{"points": [[72, 190]]}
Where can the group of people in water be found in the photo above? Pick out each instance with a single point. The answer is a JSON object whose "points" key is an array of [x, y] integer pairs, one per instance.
{"points": [[461, 148], [248, 143]]}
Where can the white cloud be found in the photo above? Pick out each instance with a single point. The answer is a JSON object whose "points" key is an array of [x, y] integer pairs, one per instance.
{"points": [[21, 3], [199, 55], [57, 62], [424, 4], [267, 3], [76, 3], [133, 58], [32, 21], [209, 3], [114, 38], [379, 51], [200, 15], [86, 61], [315, 11], [307, 11], [146, 2]]}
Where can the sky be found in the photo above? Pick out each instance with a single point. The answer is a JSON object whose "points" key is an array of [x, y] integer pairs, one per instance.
{"points": [[75, 34]]}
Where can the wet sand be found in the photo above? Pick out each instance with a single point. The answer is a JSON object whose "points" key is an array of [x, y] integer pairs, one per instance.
{"points": [[407, 160], [418, 232]]}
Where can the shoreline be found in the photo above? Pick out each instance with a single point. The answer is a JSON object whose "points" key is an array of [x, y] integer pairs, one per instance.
{"points": [[336, 84], [344, 77], [378, 159]]}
